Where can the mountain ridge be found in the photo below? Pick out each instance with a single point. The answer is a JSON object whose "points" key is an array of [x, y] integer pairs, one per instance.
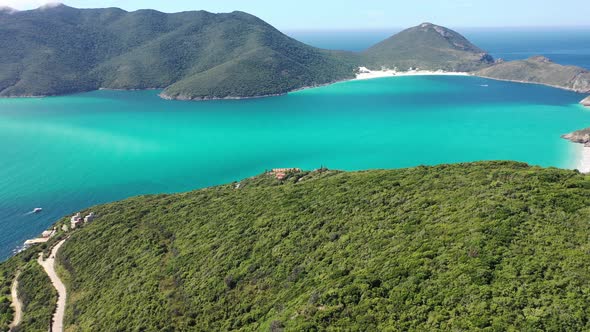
{"points": [[198, 55], [62, 50]]}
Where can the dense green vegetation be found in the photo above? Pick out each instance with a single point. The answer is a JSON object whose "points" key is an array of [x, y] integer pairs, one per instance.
{"points": [[35, 292], [427, 47], [539, 69], [484, 246], [8, 270], [57, 50], [194, 55], [38, 298], [199, 55]]}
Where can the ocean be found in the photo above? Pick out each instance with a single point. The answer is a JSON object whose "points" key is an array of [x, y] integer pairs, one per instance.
{"points": [[66, 153], [568, 46]]}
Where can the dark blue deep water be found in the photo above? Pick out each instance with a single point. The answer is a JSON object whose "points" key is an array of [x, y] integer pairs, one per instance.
{"points": [[569, 46]]}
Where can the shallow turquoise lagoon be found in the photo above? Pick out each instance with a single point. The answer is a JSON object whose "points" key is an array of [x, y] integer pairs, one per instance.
{"points": [[67, 153]]}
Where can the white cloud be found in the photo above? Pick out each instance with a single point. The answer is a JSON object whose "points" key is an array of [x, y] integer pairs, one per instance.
{"points": [[25, 4]]}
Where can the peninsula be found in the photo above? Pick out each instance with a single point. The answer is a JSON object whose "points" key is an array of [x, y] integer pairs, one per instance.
{"points": [[540, 70], [453, 247], [56, 50]]}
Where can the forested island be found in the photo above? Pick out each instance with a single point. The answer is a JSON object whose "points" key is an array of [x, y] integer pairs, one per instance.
{"points": [[197, 55], [478, 246]]}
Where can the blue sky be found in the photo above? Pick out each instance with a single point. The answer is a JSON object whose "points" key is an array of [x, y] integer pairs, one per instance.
{"points": [[368, 14]]}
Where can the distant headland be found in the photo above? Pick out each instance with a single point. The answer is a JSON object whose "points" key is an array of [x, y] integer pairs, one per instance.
{"points": [[197, 55]]}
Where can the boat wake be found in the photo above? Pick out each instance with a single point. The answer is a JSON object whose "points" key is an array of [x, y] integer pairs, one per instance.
{"points": [[35, 211]]}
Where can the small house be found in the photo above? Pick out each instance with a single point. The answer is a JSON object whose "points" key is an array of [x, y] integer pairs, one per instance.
{"points": [[76, 220], [90, 217]]}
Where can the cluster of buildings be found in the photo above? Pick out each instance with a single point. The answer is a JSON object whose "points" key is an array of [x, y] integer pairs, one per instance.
{"points": [[77, 220], [281, 173]]}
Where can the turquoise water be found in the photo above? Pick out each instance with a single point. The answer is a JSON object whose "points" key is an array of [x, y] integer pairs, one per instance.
{"points": [[66, 153]]}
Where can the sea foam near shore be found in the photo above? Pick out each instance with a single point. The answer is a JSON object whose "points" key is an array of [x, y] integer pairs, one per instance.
{"points": [[584, 159]]}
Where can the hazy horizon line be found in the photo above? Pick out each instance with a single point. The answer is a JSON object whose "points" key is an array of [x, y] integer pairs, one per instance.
{"points": [[323, 29], [380, 29]]}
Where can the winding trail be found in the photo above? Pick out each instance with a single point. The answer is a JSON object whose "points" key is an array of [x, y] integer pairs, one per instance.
{"points": [[49, 266], [16, 304]]}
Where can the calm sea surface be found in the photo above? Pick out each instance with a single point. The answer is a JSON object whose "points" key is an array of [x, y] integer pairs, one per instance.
{"points": [[569, 46], [66, 153]]}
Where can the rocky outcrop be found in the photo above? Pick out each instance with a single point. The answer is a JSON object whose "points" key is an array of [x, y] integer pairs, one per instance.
{"points": [[580, 136], [586, 102]]}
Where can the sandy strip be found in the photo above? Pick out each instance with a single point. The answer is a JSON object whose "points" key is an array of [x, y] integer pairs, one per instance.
{"points": [[49, 266], [366, 74], [584, 163], [16, 304]]}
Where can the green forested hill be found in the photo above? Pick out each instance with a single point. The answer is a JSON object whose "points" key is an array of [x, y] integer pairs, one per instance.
{"points": [[194, 55], [36, 294], [427, 47], [483, 246], [59, 49]]}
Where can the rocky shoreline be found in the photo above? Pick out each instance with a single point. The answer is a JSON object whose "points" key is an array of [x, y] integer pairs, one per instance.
{"points": [[165, 96], [187, 98], [561, 87], [580, 136]]}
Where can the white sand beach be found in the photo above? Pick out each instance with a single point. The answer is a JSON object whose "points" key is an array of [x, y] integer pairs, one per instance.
{"points": [[584, 162], [367, 74]]}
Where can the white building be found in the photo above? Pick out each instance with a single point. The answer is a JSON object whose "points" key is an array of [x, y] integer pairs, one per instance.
{"points": [[76, 221], [90, 217]]}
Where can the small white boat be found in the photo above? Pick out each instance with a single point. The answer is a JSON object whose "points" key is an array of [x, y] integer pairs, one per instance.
{"points": [[37, 210]]}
